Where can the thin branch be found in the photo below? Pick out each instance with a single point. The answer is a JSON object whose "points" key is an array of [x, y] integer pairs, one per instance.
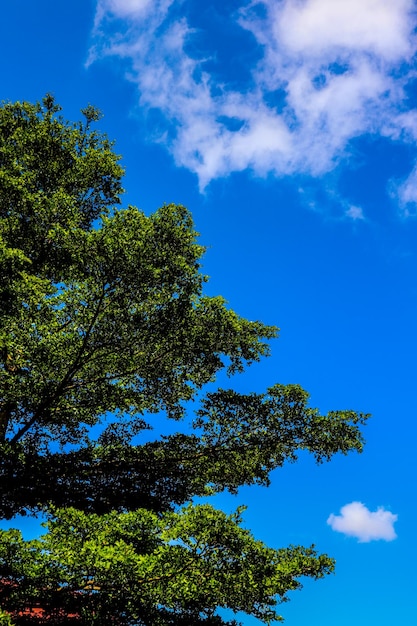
{"points": [[68, 376]]}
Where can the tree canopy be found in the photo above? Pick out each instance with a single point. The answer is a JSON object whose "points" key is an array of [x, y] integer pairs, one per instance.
{"points": [[104, 325]]}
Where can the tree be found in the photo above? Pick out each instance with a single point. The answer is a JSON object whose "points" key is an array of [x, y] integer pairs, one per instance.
{"points": [[105, 325]]}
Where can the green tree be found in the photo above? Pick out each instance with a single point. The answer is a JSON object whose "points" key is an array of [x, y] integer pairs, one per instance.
{"points": [[104, 324]]}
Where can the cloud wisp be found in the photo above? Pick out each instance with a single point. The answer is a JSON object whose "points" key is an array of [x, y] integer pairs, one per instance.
{"points": [[356, 520], [323, 74]]}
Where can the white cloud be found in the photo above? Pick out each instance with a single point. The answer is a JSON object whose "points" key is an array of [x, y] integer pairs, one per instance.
{"points": [[341, 68], [355, 213], [370, 26], [357, 521], [406, 192], [124, 8]]}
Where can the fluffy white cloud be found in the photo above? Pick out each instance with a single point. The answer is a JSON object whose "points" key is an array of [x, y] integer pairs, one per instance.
{"points": [[406, 192], [355, 213], [340, 68], [124, 8], [356, 520], [317, 26]]}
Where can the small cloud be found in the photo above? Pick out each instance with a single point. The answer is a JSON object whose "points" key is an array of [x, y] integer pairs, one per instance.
{"points": [[355, 520], [406, 193], [355, 213], [125, 8], [373, 26]]}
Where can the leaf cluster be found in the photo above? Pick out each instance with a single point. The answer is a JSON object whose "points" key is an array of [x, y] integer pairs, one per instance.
{"points": [[140, 568]]}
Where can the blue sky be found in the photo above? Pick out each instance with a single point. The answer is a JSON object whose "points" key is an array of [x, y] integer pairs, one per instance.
{"points": [[289, 129]]}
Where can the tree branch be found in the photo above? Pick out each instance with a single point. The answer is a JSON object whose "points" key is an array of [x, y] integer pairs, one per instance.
{"points": [[68, 376]]}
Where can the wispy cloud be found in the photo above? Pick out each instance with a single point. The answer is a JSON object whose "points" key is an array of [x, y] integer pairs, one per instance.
{"points": [[131, 9], [356, 520], [406, 192], [328, 72], [355, 213]]}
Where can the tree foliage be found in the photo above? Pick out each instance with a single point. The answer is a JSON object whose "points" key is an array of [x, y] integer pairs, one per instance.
{"points": [[103, 324]]}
